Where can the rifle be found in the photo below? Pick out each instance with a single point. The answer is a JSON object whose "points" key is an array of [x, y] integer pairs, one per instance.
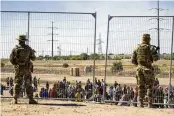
{"points": [[154, 50]]}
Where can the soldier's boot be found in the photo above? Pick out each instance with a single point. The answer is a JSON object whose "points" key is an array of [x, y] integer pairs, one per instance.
{"points": [[32, 101], [15, 100]]}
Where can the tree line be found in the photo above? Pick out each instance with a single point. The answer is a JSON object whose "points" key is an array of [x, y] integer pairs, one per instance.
{"points": [[84, 56]]}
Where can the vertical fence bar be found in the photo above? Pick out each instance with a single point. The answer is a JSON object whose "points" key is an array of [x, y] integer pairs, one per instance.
{"points": [[171, 56], [95, 16], [106, 58], [158, 29], [28, 33], [52, 35]]}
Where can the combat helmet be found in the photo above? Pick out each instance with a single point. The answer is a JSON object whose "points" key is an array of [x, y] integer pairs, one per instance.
{"points": [[22, 38], [146, 38]]}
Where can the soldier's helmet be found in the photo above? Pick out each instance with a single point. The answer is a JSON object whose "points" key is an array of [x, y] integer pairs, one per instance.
{"points": [[22, 38], [146, 38]]}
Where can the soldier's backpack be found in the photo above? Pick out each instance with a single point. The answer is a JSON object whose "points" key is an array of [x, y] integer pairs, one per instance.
{"points": [[144, 54]]}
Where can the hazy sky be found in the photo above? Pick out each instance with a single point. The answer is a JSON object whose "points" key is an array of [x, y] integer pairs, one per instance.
{"points": [[77, 30]]}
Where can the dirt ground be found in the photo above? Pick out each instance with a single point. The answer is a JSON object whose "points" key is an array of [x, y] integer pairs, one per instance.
{"points": [[68, 108], [110, 79]]}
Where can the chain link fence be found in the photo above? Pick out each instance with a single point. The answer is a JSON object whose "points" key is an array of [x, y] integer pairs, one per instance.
{"points": [[66, 67], [64, 43], [124, 33]]}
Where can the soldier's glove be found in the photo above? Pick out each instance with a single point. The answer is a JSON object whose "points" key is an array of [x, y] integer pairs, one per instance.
{"points": [[157, 48]]}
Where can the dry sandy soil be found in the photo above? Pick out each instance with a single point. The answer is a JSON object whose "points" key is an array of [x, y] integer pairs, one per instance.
{"points": [[109, 80], [68, 108]]}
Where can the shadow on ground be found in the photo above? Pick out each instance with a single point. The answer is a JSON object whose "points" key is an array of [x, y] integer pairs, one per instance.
{"points": [[54, 104]]}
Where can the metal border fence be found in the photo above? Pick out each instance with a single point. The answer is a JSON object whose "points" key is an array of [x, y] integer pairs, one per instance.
{"points": [[122, 99], [101, 97], [28, 29]]}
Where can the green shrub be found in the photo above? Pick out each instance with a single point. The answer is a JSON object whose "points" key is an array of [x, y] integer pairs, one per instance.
{"points": [[118, 58], [117, 66], [65, 65]]}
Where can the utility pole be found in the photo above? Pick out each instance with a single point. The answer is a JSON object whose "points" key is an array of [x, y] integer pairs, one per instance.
{"points": [[52, 40], [158, 24], [158, 29]]}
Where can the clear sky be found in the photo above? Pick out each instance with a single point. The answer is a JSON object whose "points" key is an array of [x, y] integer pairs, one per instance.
{"points": [[83, 31]]}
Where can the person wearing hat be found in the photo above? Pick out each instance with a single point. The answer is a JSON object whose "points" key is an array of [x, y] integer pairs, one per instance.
{"points": [[21, 57], [143, 57]]}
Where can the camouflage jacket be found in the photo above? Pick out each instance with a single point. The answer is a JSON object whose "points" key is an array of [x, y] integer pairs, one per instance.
{"points": [[144, 55], [21, 55]]}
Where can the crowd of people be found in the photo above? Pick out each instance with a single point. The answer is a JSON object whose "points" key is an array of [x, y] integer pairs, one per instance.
{"points": [[122, 95], [64, 89]]}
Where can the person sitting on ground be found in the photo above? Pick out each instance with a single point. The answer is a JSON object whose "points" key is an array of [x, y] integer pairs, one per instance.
{"points": [[44, 93], [53, 92], [41, 92]]}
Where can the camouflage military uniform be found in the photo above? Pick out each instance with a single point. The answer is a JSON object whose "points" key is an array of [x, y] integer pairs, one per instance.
{"points": [[143, 57], [21, 57]]}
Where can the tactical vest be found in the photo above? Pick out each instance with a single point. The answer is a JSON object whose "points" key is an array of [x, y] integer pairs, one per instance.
{"points": [[23, 55], [144, 56]]}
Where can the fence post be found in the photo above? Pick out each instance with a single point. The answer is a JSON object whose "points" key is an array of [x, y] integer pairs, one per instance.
{"points": [[95, 16], [106, 58], [171, 57]]}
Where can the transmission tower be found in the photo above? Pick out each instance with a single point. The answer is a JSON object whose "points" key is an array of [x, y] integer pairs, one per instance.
{"points": [[59, 50], [99, 44], [52, 40], [158, 23]]}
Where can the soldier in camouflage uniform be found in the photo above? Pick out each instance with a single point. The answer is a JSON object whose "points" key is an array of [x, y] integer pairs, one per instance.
{"points": [[21, 57], [143, 57]]}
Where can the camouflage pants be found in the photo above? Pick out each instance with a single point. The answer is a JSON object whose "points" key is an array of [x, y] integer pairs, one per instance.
{"points": [[22, 76], [145, 80]]}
